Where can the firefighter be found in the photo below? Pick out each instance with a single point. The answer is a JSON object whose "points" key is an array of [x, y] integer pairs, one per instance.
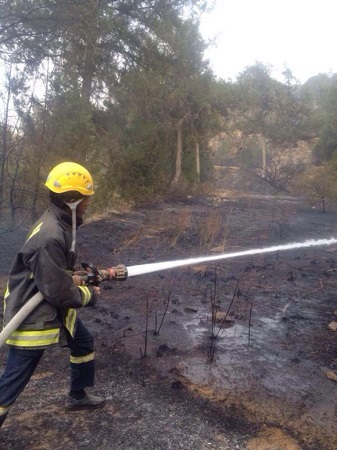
{"points": [[45, 263]]}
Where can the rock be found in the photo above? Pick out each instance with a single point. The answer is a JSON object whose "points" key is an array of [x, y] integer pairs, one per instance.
{"points": [[331, 375], [220, 317], [333, 326]]}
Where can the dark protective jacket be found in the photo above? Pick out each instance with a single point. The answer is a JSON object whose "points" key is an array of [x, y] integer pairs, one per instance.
{"points": [[42, 265]]}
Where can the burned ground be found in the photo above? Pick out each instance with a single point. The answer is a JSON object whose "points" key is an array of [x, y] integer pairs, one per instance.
{"points": [[260, 383]]}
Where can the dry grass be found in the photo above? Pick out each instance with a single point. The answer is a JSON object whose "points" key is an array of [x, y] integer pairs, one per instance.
{"points": [[174, 223], [214, 229], [179, 225], [135, 237], [94, 216]]}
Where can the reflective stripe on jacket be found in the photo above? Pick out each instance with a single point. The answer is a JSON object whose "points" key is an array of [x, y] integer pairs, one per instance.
{"points": [[42, 265]]}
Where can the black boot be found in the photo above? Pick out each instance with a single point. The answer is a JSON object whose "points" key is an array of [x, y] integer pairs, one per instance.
{"points": [[88, 402]]}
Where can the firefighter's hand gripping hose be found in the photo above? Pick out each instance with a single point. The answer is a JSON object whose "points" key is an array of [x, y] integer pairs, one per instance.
{"points": [[90, 276]]}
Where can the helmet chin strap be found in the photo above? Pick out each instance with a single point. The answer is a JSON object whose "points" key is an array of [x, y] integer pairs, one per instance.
{"points": [[73, 206]]}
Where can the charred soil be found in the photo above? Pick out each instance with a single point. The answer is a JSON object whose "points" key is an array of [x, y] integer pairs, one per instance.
{"points": [[233, 354]]}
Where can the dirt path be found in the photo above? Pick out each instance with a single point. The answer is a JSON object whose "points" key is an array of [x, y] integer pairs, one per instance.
{"points": [[261, 384]]}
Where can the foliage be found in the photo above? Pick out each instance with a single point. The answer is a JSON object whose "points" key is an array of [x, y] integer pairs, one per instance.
{"points": [[113, 91], [123, 88], [327, 142], [270, 108], [318, 185]]}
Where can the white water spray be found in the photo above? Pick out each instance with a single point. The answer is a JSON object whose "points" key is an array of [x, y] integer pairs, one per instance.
{"points": [[155, 267]]}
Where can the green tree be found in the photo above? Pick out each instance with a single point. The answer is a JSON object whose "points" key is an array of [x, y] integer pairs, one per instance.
{"points": [[326, 119], [92, 46], [93, 39], [274, 113], [165, 112]]}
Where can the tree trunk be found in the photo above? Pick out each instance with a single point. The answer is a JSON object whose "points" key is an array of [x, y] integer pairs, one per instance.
{"points": [[264, 156], [179, 154], [3, 154], [197, 159], [12, 202]]}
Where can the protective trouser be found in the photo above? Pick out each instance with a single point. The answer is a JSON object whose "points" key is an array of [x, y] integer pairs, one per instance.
{"points": [[21, 365], [81, 358]]}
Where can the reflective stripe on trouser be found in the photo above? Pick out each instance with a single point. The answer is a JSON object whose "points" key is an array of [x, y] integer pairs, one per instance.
{"points": [[20, 366], [3, 411], [81, 358]]}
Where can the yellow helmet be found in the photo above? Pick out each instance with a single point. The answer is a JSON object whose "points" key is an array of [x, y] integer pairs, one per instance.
{"points": [[69, 176]]}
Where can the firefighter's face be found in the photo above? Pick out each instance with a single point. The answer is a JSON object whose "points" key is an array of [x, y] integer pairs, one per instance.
{"points": [[82, 206]]}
